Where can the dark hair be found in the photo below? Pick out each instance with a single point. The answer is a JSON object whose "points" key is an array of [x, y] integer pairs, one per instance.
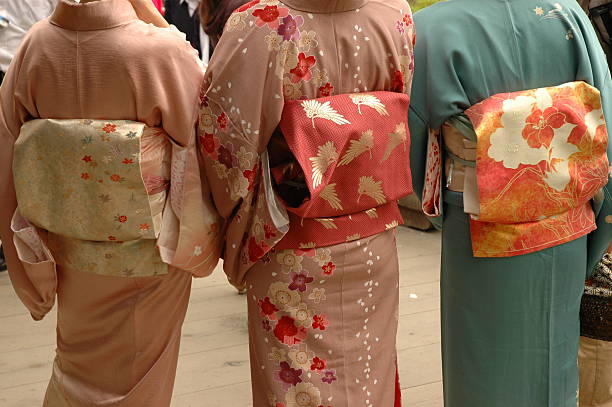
{"points": [[214, 14]]}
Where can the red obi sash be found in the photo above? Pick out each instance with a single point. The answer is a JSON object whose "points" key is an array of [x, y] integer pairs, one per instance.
{"points": [[353, 164], [541, 156]]}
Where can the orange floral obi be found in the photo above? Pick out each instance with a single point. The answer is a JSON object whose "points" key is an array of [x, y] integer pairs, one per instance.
{"points": [[350, 165], [541, 156]]}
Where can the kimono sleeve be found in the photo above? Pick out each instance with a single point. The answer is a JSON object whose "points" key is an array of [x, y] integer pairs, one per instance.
{"points": [[242, 107], [33, 278]]}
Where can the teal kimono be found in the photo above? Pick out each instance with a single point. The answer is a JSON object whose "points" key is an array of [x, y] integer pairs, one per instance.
{"points": [[510, 326]]}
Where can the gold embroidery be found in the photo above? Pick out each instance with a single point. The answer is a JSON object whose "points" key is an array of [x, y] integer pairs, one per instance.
{"points": [[330, 195], [317, 110], [372, 213], [354, 237], [327, 223], [392, 225], [326, 156], [358, 147], [399, 136], [370, 101], [371, 188]]}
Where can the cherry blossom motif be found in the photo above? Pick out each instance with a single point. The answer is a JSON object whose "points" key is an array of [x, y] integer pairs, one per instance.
{"points": [[121, 218], [270, 16], [288, 376], [300, 280], [318, 364], [308, 40], [85, 176], [290, 28], [407, 20], [251, 176], [328, 269], [317, 295], [222, 121], [329, 377], [289, 261], [398, 81], [127, 161], [541, 126], [282, 297], [303, 395], [109, 128], [300, 357], [267, 309], [87, 159], [399, 25], [144, 227], [225, 156], [269, 231], [302, 315], [320, 322], [326, 90], [302, 70], [116, 178], [209, 144], [288, 333], [257, 250]]}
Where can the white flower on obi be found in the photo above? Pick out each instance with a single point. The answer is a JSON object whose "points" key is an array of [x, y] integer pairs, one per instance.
{"points": [[509, 146], [507, 142], [197, 251], [303, 395]]}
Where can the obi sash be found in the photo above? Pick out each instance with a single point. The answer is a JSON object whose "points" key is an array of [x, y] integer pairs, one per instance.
{"points": [[351, 164], [103, 194], [540, 157]]}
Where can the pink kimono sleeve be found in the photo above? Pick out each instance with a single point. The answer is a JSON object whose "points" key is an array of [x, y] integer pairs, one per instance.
{"points": [[238, 115], [31, 266]]}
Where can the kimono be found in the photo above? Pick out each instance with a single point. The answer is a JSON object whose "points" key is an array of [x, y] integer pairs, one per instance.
{"points": [[302, 129], [102, 204], [513, 269]]}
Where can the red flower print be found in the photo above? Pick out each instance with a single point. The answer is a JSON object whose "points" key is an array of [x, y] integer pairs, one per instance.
{"points": [[329, 377], [288, 375], [225, 156], [317, 364], [256, 251], [288, 333], [85, 175], [326, 90], [250, 175], [144, 226], [269, 231], [87, 159], [127, 161], [247, 6], [541, 126], [319, 322], [266, 325], [109, 128], [112, 238], [115, 178], [268, 309], [222, 121], [329, 268], [398, 82], [407, 19], [208, 143], [121, 218], [270, 16], [300, 280], [302, 69]]}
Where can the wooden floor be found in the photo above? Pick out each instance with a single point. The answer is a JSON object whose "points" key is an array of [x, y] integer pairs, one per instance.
{"points": [[215, 337]]}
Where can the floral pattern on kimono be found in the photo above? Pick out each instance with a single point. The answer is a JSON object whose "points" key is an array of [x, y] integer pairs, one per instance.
{"points": [[288, 58]]}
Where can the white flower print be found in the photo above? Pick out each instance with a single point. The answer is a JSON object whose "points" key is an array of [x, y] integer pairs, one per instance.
{"points": [[302, 315], [238, 184], [322, 256], [308, 40], [277, 354], [303, 395], [197, 251], [292, 91], [301, 357], [274, 41], [236, 22], [317, 295], [290, 262], [282, 297], [319, 77], [244, 158], [539, 11]]}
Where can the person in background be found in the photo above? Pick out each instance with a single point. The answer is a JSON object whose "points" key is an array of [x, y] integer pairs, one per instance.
{"points": [[214, 15], [184, 16], [514, 96]]}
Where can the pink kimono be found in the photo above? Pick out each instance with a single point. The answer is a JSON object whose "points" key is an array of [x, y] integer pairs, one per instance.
{"points": [[106, 80], [304, 136]]}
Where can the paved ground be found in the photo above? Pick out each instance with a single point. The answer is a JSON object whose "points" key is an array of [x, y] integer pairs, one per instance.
{"points": [[215, 339]]}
